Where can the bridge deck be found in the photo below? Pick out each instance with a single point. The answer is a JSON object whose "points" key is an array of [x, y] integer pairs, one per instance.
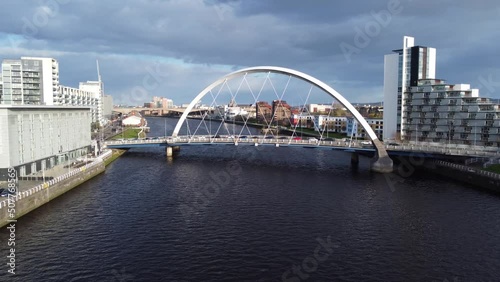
{"points": [[354, 146]]}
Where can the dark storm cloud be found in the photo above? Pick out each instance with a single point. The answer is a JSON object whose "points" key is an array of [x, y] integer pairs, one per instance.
{"points": [[198, 41]]}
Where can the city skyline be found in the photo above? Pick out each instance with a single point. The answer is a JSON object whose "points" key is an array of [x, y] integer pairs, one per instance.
{"points": [[164, 53]]}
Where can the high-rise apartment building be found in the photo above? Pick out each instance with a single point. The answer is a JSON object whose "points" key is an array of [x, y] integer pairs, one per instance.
{"points": [[35, 81], [402, 70], [30, 81], [450, 114], [421, 108]]}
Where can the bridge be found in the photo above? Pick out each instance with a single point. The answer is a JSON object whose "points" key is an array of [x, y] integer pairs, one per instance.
{"points": [[257, 83], [351, 146]]}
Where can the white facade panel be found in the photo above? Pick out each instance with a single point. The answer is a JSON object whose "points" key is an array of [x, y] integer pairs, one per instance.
{"points": [[431, 63], [408, 42], [48, 91], [390, 95]]}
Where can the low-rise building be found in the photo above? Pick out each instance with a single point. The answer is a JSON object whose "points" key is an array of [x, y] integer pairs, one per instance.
{"points": [[282, 112], [355, 130], [134, 119], [330, 124], [36, 137], [263, 111], [226, 112], [319, 108]]}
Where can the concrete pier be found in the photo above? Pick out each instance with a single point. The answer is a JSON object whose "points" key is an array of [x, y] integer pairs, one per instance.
{"points": [[172, 150], [384, 163]]}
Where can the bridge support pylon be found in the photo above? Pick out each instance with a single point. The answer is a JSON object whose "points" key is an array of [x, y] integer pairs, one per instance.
{"points": [[172, 150], [354, 159], [169, 151], [383, 163]]}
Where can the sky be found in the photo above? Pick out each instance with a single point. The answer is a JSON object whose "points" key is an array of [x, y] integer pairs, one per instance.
{"points": [[176, 48]]}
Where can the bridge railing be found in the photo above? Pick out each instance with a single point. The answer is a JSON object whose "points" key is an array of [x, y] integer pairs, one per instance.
{"points": [[41, 187], [261, 139], [469, 169], [447, 150], [256, 140]]}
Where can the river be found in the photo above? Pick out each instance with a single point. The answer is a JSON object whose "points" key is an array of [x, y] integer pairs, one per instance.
{"points": [[244, 213]]}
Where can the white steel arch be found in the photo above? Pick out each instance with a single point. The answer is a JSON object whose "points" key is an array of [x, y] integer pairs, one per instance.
{"points": [[383, 162], [281, 70]]}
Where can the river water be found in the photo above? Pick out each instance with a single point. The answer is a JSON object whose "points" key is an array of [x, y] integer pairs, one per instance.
{"points": [[236, 213]]}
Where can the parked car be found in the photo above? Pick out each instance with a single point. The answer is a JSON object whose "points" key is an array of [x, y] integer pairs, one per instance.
{"points": [[297, 138], [312, 139], [269, 137]]}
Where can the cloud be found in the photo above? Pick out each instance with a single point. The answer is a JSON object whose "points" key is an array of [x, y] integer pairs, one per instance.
{"points": [[195, 42]]}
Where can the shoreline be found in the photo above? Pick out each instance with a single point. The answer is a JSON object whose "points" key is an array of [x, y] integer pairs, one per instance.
{"points": [[14, 207]]}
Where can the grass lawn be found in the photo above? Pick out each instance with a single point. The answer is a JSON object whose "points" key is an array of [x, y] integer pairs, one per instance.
{"points": [[128, 133], [493, 168]]}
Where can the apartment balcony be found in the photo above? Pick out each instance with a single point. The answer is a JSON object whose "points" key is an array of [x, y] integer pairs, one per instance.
{"points": [[32, 93], [31, 87]]}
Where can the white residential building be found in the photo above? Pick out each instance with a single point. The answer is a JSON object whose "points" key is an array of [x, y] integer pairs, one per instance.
{"points": [[450, 113], [36, 137], [30, 81], [230, 112], [96, 87], [76, 97], [402, 70], [35, 81], [319, 108], [355, 130], [330, 124]]}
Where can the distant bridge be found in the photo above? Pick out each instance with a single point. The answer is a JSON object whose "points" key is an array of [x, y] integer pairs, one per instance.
{"points": [[159, 111]]}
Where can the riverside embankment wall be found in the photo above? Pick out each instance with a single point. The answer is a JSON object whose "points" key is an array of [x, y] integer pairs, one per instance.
{"points": [[25, 201], [476, 177]]}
